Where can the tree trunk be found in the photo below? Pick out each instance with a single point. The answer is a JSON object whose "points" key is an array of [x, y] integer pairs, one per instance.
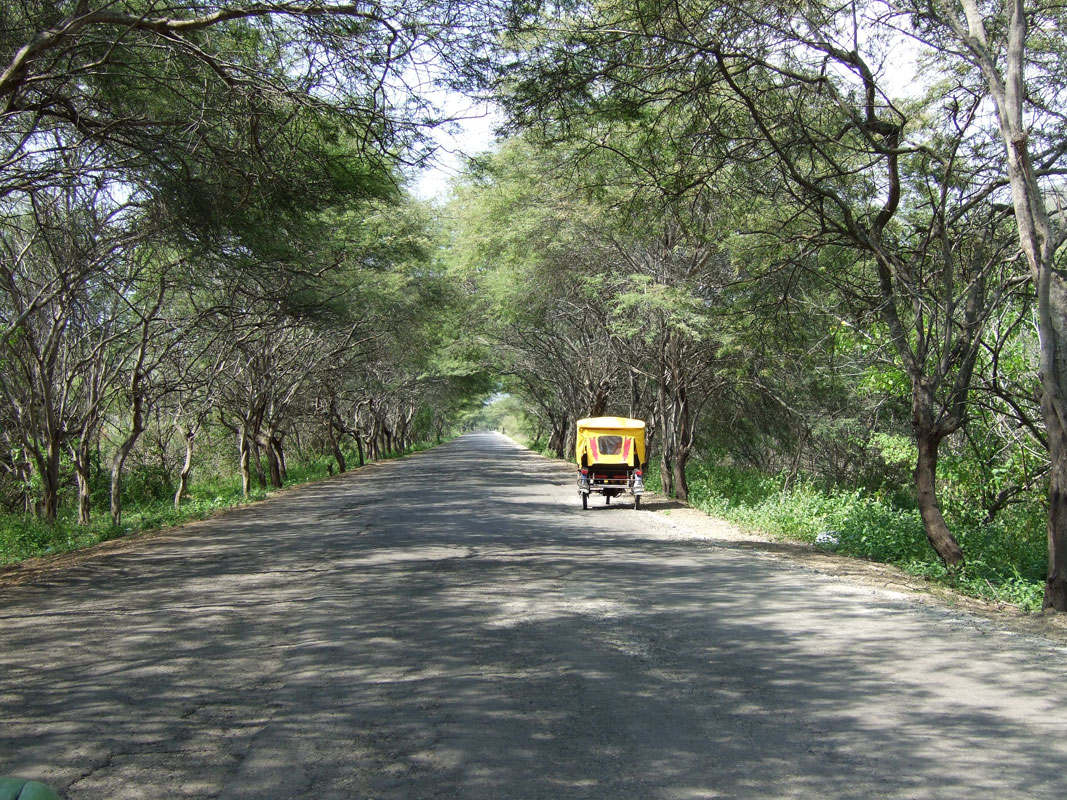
{"points": [[83, 474], [245, 451], [937, 531], [557, 440], [666, 438], [683, 435], [1039, 243], [1056, 582], [187, 467], [681, 452], [277, 442], [274, 468], [84, 493], [257, 461], [118, 462], [553, 434], [269, 443], [635, 393], [598, 392], [387, 439], [372, 442], [1054, 390], [48, 469], [681, 483], [335, 447]]}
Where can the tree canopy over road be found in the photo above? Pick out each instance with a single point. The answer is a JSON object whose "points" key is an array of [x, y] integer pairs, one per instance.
{"points": [[823, 242], [807, 235]]}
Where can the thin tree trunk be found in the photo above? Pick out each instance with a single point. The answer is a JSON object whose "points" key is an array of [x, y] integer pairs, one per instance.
{"points": [[372, 442], [666, 436], [635, 393], [937, 530], [83, 474], [1054, 390], [257, 459], [359, 448], [118, 462], [245, 452], [570, 437], [279, 450], [1006, 79], [555, 443], [274, 462], [189, 434], [49, 473], [84, 494], [335, 448], [683, 435], [681, 453]]}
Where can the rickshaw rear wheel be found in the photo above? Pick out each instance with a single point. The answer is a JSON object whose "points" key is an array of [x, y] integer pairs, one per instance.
{"points": [[637, 502], [585, 500]]}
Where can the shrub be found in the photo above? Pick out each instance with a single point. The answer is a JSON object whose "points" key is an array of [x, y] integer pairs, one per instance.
{"points": [[1005, 559]]}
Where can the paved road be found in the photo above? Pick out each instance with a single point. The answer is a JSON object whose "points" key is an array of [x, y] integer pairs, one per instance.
{"points": [[454, 626]]}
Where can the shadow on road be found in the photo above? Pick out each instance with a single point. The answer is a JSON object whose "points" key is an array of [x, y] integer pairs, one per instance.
{"points": [[453, 625]]}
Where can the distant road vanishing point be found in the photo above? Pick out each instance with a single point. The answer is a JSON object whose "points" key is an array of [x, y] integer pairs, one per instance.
{"points": [[453, 625]]}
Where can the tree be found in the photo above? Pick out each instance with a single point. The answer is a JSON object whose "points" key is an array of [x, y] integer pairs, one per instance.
{"points": [[163, 87], [1016, 47], [537, 253], [63, 255], [794, 100]]}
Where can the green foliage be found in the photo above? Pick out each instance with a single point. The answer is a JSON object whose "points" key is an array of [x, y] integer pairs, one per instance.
{"points": [[148, 484], [25, 537], [150, 506], [895, 449], [1006, 558]]}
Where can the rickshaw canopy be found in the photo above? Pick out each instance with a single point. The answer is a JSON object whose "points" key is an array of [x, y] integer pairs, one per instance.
{"points": [[610, 440]]}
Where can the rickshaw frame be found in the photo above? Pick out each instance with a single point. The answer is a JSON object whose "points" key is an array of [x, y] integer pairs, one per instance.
{"points": [[610, 453]]}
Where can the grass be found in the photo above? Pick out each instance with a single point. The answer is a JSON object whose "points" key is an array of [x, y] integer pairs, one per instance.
{"points": [[23, 536], [1005, 559]]}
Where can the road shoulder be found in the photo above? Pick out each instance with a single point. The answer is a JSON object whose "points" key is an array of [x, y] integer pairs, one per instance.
{"points": [[680, 521]]}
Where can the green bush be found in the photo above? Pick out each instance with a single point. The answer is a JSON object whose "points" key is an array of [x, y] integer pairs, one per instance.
{"points": [[1006, 559], [148, 505], [25, 537]]}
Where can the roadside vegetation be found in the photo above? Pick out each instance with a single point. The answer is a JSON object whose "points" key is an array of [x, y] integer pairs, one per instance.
{"points": [[213, 281], [837, 297], [149, 505], [1007, 558]]}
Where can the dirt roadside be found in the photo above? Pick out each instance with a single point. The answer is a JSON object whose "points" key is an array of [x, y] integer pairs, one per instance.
{"points": [[684, 522], [33, 569], [677, 521]]}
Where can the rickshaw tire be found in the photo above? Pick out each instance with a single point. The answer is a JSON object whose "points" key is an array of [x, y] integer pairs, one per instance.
{"points": [[585, 500], [637, 502]]}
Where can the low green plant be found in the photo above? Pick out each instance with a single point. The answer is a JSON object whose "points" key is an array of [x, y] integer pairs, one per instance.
{"points": [[1005, 558], [149, 505]]}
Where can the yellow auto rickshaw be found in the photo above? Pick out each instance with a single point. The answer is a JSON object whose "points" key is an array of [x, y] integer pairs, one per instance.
{"points": [[610, 452]]}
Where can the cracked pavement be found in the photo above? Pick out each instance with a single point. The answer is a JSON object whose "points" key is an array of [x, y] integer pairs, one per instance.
{"points": [[453, 625]]}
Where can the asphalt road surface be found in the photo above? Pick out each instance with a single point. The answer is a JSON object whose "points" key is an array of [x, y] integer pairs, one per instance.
{"points": [[453, 625]]}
